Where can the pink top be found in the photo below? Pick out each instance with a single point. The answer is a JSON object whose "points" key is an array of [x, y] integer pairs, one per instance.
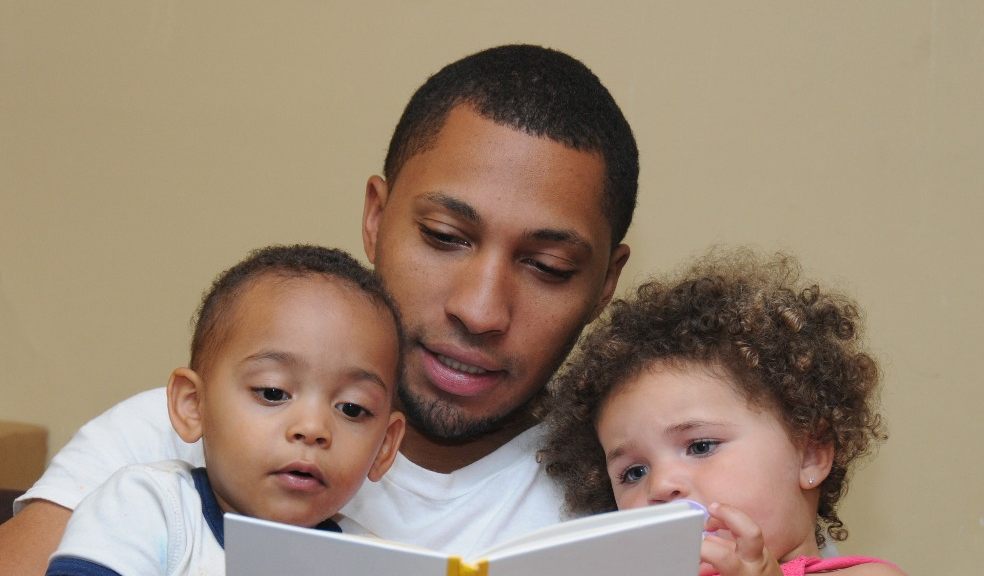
{"points": [[812, 564]]}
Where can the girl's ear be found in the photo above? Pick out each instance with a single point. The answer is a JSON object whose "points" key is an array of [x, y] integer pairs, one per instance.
{"points": [[390, 446], [817, 460], [185, 403]]}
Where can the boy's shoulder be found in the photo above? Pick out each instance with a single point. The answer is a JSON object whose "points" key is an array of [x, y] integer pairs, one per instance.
{"points": [[162, 471]]}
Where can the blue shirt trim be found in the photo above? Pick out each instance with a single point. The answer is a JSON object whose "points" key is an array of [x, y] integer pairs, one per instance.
{"points": [[74, 566], [210, 506], [213, 513]]}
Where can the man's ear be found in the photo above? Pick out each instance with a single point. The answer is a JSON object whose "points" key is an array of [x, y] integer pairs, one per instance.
{"points": [[377, 193], [620, 255], [817, 460], [185, 403], [391, 445]]}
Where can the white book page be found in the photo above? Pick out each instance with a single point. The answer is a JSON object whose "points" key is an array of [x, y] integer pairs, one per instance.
{"points": [[260, 548], [657, 548], [592, 524]]}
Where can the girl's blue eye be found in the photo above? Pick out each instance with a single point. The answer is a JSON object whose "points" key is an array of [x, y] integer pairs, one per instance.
{"points": [[633, 474], [702, 447]]}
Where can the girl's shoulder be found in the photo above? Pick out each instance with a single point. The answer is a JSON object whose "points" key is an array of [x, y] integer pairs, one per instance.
{"points": [[852, 566], [872, 569]]}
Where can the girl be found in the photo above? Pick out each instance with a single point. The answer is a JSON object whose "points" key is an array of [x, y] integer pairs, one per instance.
{"points": [[735, 386]]}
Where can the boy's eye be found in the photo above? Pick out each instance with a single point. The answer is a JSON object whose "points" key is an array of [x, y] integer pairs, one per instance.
{"points": [[633, 474], [272, 395], [352, 410], [702, 447]]}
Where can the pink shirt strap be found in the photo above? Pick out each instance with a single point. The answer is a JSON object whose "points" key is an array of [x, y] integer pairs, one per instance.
{"points": [[813, 565]]}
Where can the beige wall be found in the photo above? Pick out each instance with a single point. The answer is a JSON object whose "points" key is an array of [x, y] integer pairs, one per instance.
{"points": [[144, 146]]}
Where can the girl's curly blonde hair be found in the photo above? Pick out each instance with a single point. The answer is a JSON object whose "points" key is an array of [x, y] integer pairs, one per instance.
{"points": [[788, 345]]}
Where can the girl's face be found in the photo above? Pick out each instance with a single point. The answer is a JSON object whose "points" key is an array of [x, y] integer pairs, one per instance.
{"points": [[684, 432]]}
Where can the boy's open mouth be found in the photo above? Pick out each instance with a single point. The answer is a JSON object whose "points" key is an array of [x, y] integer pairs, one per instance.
{"points": [[303, 473]]}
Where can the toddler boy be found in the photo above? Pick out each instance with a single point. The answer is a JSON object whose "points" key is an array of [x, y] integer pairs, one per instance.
{"points": [[291, 384]]}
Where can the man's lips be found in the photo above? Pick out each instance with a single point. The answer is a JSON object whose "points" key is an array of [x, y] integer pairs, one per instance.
{"points": [[460, 366], [458, 374]]}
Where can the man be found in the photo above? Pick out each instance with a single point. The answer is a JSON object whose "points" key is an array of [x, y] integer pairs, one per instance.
{"points": [[509, 185]]}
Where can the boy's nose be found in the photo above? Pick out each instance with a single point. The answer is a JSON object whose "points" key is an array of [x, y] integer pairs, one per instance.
{"points": [[312, 438], [310, 429]]}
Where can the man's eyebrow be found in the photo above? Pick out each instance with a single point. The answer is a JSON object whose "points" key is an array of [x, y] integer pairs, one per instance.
{"points": [[560, 235], [459, 207], [468, 212]]}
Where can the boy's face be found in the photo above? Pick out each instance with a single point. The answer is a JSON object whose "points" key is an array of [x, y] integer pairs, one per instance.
{"points": [[674, 433], [295, 408], [494, 245]]}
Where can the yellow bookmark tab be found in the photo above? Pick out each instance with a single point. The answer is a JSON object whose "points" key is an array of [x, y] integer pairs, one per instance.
{"points": [[458, 567]]}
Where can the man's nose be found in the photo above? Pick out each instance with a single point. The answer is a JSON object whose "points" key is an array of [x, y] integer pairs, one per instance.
{"points": [[481, 296]]}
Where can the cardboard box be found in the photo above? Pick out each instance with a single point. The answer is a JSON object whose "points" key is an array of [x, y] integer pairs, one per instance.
{"points": [[23, 451]]}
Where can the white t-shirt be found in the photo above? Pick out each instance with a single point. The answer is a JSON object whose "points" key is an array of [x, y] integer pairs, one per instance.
{"points": [[151, 519], [146, 519], [503, 495]]}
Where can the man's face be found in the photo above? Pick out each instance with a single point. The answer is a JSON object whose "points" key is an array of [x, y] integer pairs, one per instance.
{"points": [[496, 249]]}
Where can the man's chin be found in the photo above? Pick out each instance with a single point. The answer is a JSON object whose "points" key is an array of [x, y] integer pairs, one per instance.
{"points": [[442, 420]]}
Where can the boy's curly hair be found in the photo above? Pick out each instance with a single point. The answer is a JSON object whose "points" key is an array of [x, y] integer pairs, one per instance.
{"points": [[788, 345]]}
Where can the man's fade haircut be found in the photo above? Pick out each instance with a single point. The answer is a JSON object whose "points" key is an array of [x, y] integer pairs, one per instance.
{"points": [[540, 91], [212, 320]]}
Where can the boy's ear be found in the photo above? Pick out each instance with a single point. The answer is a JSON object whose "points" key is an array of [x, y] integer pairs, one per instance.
{"points": [[817, 460], [185, 403], [377, 193], [390, 446]]}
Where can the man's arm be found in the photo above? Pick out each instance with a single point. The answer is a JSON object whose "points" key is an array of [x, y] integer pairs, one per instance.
{"points": [[30, 537], [134, 431]]}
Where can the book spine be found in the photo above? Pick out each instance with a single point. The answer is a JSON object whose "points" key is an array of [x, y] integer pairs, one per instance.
{"points": [[458, 567]]}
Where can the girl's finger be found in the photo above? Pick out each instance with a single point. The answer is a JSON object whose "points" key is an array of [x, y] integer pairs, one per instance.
{"points": [[719, 553], [749, 542]]}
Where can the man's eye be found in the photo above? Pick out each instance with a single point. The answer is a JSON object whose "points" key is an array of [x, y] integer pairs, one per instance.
{"points": [[633, 474], [272, 395], [553, 273], [702, 447], [442, 239], [352, 410]]}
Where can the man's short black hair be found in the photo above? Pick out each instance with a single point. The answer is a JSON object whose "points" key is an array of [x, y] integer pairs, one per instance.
{"points": [[540, 91], [296, 261]]}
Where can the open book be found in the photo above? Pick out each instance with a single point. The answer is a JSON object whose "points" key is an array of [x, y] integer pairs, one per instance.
{"points": [[659, 540]]}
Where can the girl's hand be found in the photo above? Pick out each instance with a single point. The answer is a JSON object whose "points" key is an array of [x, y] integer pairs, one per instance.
{"points": [[744, 554]]}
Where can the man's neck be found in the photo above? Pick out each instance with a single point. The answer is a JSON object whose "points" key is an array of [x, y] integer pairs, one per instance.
{"points": [[445, 456]]}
